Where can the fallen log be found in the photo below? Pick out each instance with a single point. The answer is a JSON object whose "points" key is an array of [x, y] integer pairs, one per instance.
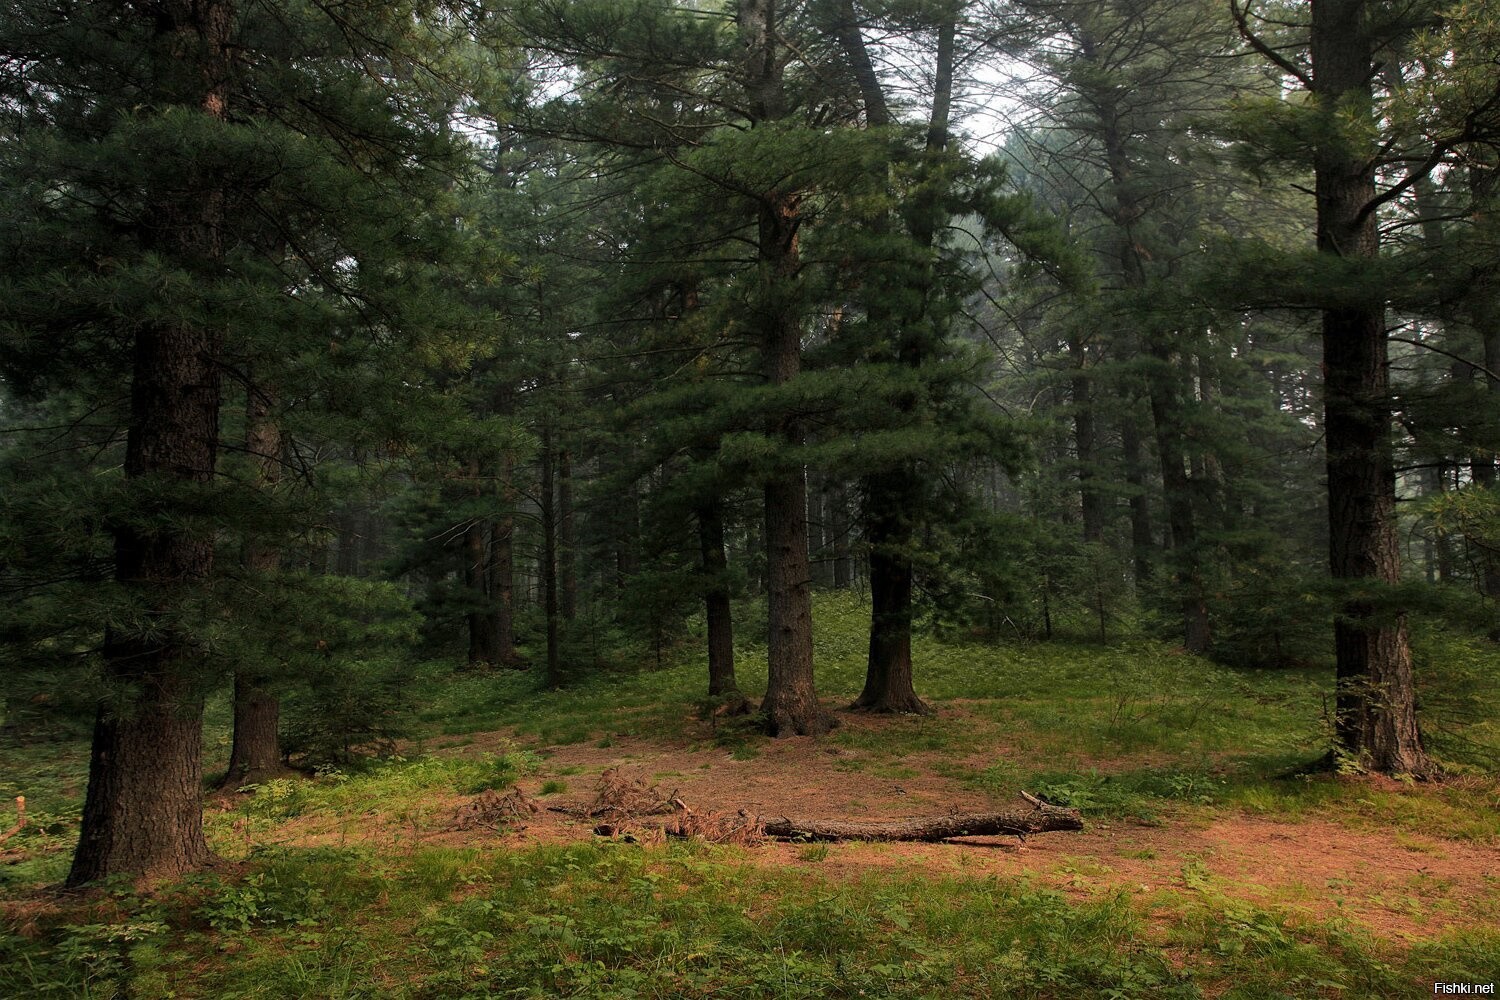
{"points": [[1036, 817]]}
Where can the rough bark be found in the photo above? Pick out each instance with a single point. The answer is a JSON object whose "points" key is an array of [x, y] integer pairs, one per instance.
{"points": [[1376, 722], [888, 673], [1020, 821], [142, 813], [791, 704], [255, 751]]}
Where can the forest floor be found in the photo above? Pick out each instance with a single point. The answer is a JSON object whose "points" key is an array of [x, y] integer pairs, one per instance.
{"points": [[1202, 871]]}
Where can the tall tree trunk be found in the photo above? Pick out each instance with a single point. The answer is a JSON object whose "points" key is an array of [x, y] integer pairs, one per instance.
{"points": [[838, 507], [567, 536], [722, 683], [1163, 387], [483, 649], [1484, 186], [791, 704], [502, 568], [143, 814], [1177, 491], [1091, 502], [894, 496], [255, 750], [1142, 542], [1376, 719], [549, 557]]}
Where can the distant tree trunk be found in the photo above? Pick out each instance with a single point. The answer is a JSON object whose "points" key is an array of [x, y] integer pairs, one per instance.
{"points": [[1163, 387], [1142, 542], [1376, 719], [143, 812], [791, 704], [816, 537], [1484, 185], [1092, 502], [483, 642], [838, 506], [722, 683], [1177, 491], [567, 538], [347, 526], [549, 557], [256, 746], [502, 569]]}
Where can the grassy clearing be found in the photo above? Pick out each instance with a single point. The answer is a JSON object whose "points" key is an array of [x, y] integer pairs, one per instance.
{"points": [[608, 920], [1135, 734]]}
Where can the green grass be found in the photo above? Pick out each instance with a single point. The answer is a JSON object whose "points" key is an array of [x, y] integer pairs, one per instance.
{"points": [[606, 920], [1134, 733]]}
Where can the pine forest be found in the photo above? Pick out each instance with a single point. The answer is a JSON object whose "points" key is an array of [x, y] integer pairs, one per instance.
{"points": [[749, 499]]}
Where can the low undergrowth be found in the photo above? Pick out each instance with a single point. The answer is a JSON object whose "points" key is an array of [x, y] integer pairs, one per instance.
{"points": [[615, 921]]}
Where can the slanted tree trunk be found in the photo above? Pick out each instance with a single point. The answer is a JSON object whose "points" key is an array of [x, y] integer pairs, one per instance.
{"points": [[1376, 719], [722, 684], [143, 813], [255, 751]]}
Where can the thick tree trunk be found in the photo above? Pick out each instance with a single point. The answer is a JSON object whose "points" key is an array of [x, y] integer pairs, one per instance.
{"points": [[791, 704], [255, 751], [888, 674], [142, 814], [1376, 721], [1020, 821], [722, 683]]}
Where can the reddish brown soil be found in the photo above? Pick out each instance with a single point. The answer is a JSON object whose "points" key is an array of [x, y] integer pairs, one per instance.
{"points": [[1388, 883]]}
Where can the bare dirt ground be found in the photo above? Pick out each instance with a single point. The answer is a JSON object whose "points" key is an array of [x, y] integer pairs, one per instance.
{"points": [[1391, 884]]}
